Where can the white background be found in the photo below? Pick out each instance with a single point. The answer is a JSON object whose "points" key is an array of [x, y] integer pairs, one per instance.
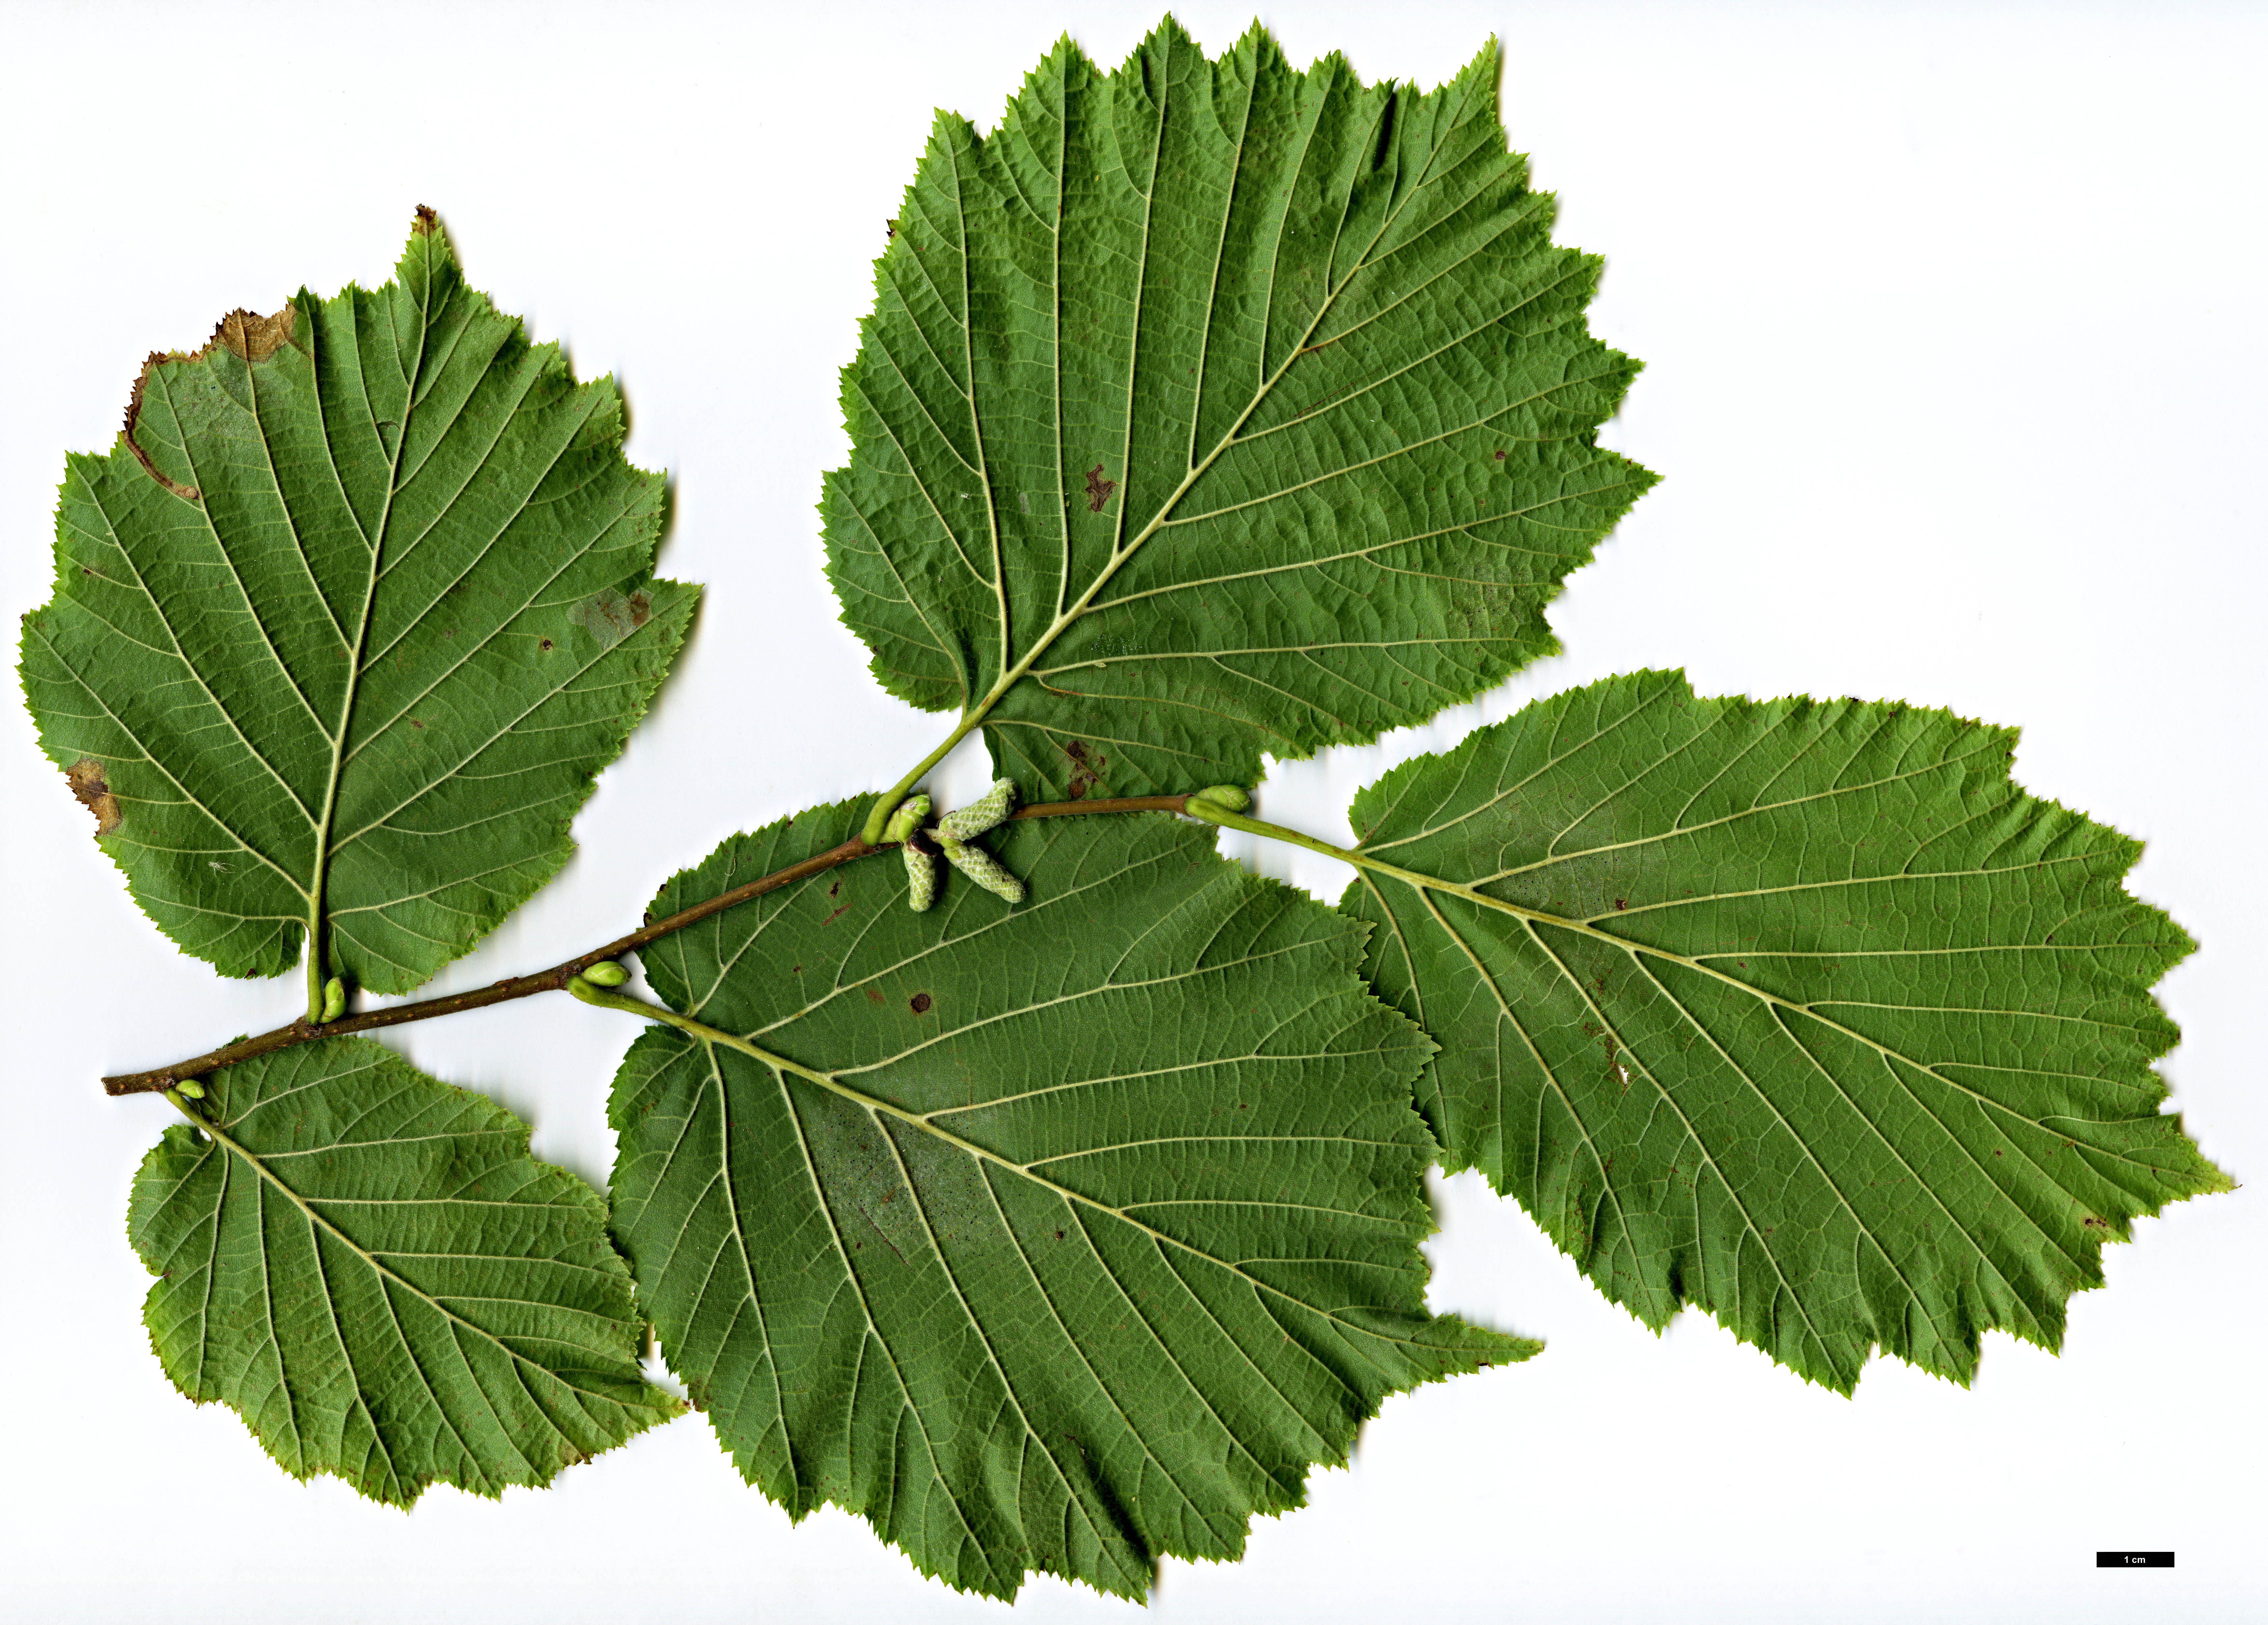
{"points": [[1954, 324]]}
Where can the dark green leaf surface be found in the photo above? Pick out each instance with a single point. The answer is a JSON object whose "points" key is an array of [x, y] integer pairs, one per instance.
{"points": [[352, 642], [1799, 1011], [367, 1267], [1211, 407], [1062, 1237]]}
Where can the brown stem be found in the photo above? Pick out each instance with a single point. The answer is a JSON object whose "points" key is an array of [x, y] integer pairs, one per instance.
{"points": [[301, 1032]]}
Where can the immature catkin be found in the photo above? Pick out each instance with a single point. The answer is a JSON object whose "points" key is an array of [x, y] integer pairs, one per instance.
{"points": [[978, 865], [963, 823], [921, 878]]}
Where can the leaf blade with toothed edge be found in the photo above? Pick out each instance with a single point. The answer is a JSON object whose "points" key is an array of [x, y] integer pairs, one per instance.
{"points": [[1799, 1011], [367, 1267], [1056, 1237], [346, 623], [1210, 407]]}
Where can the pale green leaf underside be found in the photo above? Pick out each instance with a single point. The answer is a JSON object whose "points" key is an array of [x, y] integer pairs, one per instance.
{"points": [[1799, 1011], [1241, 409], [1102, 1228], [367, 1267], [362, 632]]}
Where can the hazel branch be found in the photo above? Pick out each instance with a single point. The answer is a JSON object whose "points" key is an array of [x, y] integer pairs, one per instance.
{"points": [[557, 978]]}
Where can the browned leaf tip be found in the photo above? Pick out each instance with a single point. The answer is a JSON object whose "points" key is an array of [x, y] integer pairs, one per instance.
{"points": [[1098, 488], [252, 338], [187, 493], [426, 223], [242, 333], [92, 789]]}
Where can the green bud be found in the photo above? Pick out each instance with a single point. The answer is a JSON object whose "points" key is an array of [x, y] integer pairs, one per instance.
{"points": [[978, 865], [606, 974], [911, 814], [190, 1087], [964, 823], [921, 878], [334, 999], [1227, 797]]}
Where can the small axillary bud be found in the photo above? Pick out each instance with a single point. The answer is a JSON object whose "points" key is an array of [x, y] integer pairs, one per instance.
{"points": [[1227, 797], [911, 814], [190, 1087], [334, 1001], [606, 974], [965, 823]]}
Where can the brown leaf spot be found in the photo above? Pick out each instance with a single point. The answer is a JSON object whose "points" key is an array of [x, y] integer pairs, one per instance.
{"points": [[874, 995], [920, 1002], [1621, 902], [1087, 770], [1098, 488], [92, 789], [425, 224], [610, 617]]}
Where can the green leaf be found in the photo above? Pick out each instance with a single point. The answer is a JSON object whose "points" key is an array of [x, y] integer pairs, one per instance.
{"points": [[346, 622], [1053, 1238], [367, 1267], [1237, 408], [1799, 1011]]}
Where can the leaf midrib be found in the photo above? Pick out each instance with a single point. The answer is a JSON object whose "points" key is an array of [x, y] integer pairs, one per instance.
{"points": [[704, 1033], [1635, 948], [318, 954]]}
